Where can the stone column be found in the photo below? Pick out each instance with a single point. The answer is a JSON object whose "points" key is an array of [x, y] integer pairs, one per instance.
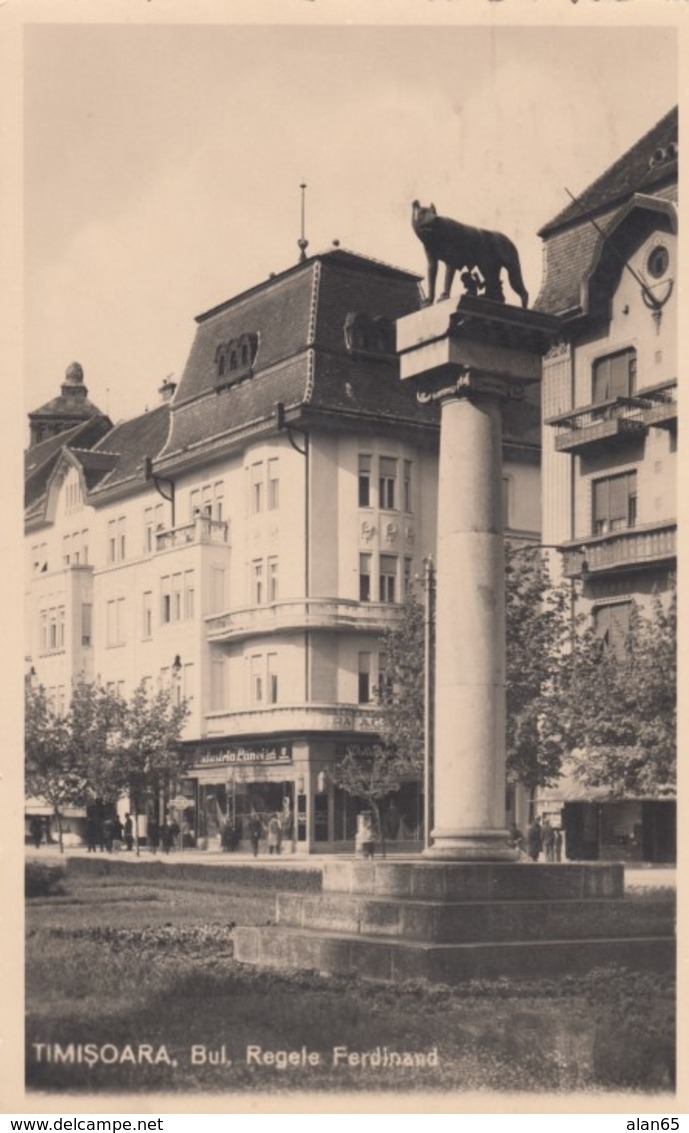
{"points": [[469, 799]]}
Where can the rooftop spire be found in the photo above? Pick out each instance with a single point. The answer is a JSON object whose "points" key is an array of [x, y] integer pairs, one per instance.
{"points": [[302, 242]]}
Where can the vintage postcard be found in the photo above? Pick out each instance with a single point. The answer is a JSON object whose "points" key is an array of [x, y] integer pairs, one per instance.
{"points": [[345, 615]]}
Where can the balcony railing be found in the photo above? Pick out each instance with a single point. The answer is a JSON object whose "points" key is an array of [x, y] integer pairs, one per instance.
{"points": [[620, 550], [619, 418], [294, 718], [606, 421], [303, 613], [202, 529]]}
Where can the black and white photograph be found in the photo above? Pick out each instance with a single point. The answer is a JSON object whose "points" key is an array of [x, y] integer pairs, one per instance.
{"points": [[348, 651]]}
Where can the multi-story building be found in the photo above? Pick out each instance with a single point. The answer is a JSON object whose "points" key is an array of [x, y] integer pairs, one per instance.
{"points": [[610, 431], [252, 538]]}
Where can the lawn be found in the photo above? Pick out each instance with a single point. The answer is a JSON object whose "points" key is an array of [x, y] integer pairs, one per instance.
{"points": [[133, 987]]}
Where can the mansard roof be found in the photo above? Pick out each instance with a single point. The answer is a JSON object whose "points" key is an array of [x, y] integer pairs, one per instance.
{"points": [[40, 459], [646, 173], [648, 164], [127, 445]]}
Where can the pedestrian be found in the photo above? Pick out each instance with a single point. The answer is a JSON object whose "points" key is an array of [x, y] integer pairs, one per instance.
{"points": [[91, 834], [153, 835], [117, 833], [274, 834], [108, 834], [36, 830], [128, 832], [557, 844], [516, 839], [548, 840], [534, 840], [255, 830]]}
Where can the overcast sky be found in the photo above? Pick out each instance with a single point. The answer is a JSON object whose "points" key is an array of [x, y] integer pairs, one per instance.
{"points": [[162, 164]]}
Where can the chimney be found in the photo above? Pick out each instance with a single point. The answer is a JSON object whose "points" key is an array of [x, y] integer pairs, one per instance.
{"points": [[167, 389]]}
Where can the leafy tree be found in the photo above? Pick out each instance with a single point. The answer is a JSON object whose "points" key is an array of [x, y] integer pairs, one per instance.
{"points": [[94, 723], [147, 753], [370, 772], [52, 771], [539, 631], [619, 723], [401, 699]]}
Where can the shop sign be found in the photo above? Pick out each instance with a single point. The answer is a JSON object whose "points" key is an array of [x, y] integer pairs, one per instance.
{"points": [[239, 754]]}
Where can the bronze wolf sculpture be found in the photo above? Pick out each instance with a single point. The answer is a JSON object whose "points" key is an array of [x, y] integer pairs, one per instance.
{"points": [[460, 246]]}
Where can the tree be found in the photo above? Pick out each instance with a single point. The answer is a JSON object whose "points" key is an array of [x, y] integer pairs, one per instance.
{"points": [[401, 699], [147, 753], [52, 772], [539, 630], [370, 772], [94, 723], [619, 724]]}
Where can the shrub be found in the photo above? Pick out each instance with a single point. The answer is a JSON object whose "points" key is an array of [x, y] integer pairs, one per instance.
{"points": [[634, 1041], [44, 879]]}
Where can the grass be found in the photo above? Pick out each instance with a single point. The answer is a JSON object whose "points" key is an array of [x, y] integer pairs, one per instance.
{"points": [[112, 964]]}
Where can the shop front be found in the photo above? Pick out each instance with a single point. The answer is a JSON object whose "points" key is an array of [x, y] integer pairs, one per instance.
{"points": [[235, 789]]}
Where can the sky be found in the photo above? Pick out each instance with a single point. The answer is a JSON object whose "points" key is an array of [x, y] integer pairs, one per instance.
{"points": [[162, 164]]}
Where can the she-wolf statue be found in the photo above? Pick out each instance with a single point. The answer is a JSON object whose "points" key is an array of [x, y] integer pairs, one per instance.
{"points": [[459, 247]]}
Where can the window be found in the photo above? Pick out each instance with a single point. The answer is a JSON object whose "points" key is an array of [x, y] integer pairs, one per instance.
{"points": [[257, 582], [406, 486], [364, 578], [384, 683], [256, 691], [166, 600], [177, 597], [189, 594], [207, 500], [44, 631], [115, 622], [388, 577], [387, 477], [66, 549], [86, 623], [60, 700], [611, 624], [273, 484], [218, 701], [614, 376], [272, 660], [147, 627], [272, 580], [364, 481], [218, 589], [658, 261], [194, 503], [112, 540], [407, 575], [117, 539], [218, 500], [153, 522], [256, 500], [364, 696], [614, 503]]}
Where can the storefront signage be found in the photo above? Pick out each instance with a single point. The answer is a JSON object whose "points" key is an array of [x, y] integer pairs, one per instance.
{"points": [[238, 755]]}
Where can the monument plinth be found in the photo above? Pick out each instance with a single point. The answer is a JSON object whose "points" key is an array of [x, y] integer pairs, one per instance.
{"points": [[466, 909], [471, 359]]}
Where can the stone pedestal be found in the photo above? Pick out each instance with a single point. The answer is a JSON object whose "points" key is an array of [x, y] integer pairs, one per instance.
{"points": [[474, 913], [454, 921]]}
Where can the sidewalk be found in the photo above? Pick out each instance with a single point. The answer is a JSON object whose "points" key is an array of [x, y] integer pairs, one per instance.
{"points": [[637, 875]]}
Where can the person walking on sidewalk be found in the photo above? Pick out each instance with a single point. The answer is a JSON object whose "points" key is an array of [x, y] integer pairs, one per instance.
{"points": [[255, 831], [534, 839]]}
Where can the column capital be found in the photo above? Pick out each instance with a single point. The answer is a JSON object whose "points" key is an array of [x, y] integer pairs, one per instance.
{"points": [[473, 384]]}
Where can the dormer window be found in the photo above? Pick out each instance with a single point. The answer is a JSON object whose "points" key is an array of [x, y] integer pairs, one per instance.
{"points": [[234, 359], [369, 334]]}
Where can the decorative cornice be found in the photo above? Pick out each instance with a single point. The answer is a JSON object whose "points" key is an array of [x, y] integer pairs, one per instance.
{"points": [[476, 386]]}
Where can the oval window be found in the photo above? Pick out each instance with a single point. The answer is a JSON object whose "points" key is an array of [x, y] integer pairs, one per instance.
{"points": [[658, 261]]}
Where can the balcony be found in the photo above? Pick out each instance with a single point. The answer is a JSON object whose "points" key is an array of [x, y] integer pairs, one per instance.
{"points": [[617, 419], [662, 412], [202, 529], [293, 718], [634, 547], [303, 613], [604, 422]]}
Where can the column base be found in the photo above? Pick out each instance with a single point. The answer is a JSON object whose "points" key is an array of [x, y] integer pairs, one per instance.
{"points": [[470, 846]]}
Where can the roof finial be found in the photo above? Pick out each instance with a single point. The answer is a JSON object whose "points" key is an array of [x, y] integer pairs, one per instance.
{"points": [[302, 242]]}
